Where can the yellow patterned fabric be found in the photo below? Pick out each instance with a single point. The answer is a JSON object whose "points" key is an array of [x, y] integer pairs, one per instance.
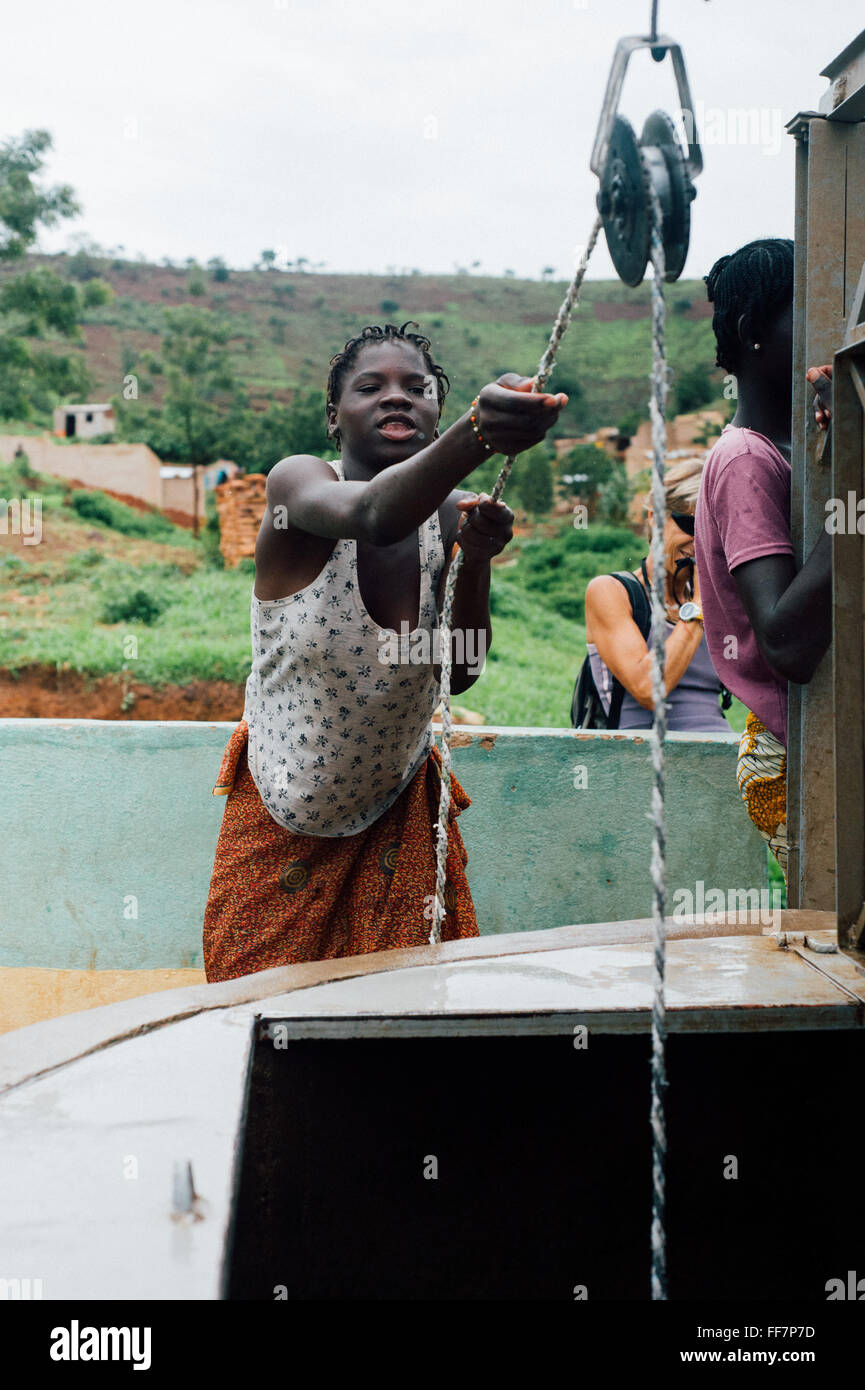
{"points": [[762, 776]]}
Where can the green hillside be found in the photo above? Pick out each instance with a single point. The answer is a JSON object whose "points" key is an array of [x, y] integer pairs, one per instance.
{"points": [[287, 325]]}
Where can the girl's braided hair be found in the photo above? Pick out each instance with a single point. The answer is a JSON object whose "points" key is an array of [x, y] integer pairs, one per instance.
{"points": [[341, 364], [757, 281]]}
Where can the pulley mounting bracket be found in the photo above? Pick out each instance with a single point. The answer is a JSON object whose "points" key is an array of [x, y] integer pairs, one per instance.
{"points": [[630, 169]]}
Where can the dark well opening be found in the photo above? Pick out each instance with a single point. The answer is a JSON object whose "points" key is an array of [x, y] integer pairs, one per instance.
{"points": [[544, 1167]]}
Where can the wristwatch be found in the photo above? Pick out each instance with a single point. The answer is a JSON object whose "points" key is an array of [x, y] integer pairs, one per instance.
{"points": [[691, 613]]}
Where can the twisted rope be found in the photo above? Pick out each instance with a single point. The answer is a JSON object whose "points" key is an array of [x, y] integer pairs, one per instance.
{"points": [[658, 406], [545, 367]]}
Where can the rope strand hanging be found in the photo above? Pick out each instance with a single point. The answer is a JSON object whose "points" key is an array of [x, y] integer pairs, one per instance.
{"points": [[545, 367], [658, 407], [646, 188]]}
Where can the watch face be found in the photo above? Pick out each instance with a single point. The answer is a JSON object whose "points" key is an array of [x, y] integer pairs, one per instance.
{"points": [[688, 611]]}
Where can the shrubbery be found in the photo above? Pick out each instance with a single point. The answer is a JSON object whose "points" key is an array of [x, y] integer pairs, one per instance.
{"points": [[614, 498], [556, 570], [98, 506], [135, 605]]}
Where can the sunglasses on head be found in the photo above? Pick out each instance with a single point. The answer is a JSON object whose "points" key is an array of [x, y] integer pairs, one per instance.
{"points": [[684, 521]]}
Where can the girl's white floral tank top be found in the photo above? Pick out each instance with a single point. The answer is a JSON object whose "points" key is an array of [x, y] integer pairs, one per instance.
{"points": [[337, 727]]}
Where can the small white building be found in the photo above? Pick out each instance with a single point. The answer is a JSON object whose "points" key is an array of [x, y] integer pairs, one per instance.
{"points": [[84, 421]]}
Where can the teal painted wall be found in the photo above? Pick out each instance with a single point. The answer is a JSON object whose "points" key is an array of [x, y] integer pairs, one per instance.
{"points": [[96, 813]]}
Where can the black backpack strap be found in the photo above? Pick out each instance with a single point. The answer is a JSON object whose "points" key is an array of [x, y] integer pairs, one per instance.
{"points": [[587, 710], [640, 605], [642, 615], [616, 699]]}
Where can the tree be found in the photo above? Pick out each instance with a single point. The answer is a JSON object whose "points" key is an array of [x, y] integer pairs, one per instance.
{"points": [[36, 304], [218, 269], [267, 260], [258, 439], [200, 392], [205, 413], [629, 425], [534, 482], [23, 205], [84, 263], [694, 388], [576, 414], [592, 467], [614, 498]]}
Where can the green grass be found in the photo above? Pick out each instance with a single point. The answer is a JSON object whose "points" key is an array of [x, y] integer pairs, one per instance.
{"points": [[166, 616], [201, 633], [531, 666], [95, 506]]}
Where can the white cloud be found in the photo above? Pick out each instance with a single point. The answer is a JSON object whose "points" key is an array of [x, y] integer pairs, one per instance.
{"points": [[255, 125]]}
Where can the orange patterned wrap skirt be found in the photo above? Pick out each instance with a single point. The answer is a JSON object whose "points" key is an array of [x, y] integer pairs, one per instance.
{"points": [[277, 898]]}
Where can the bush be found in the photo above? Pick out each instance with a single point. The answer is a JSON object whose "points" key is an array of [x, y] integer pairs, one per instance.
{"points": [[535, 482], [630, 424], [98, 506], [21, 462], [210, 534], [82, 266], [83, 561], [555, 571], [134, 606], [16, 481], [594, 463], [11, 567], [693, 388], [614, 499]]}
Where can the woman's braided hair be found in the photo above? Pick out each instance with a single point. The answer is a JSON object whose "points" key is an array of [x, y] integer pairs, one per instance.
{"points": [[757, 281], [341, 364]]}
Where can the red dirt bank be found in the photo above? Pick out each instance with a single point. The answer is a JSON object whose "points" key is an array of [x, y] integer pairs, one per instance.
{"points": [[43, 693]]}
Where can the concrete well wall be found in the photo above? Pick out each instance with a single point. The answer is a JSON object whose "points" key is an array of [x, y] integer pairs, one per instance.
{"points": [[108, 831]]}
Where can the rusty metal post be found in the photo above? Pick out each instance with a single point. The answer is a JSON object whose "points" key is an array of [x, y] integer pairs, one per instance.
{"points": [[830, 250], [848, 620]]}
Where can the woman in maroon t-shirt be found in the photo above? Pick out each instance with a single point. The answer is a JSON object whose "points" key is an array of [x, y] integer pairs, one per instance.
{"points": [[766, 623]]}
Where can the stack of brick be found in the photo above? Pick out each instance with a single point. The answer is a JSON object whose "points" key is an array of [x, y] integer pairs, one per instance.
{"points": [[240, 503]]}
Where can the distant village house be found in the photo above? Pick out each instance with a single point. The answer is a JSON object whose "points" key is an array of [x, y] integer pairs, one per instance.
{"points": [[84, 421]]}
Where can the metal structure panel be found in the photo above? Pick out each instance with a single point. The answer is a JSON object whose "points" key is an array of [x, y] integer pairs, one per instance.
{"points": [[830, 249], [848, 576]]}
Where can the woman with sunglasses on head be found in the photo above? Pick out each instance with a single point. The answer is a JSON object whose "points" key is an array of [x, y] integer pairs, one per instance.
{"points": [[619, 628]]}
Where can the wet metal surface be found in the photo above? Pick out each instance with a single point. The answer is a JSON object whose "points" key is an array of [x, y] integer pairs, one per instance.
{"points": [[89, 1200], [107, 1134], [726, 984]]}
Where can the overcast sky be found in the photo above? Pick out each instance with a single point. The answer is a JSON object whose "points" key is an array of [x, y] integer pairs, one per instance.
{"points": [[379, 134]]}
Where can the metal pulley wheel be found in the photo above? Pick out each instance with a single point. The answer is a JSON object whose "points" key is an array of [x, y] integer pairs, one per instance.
{"points": [[631, 170]]}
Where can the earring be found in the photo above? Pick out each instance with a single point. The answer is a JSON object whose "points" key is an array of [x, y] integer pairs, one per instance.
{"points": [[756, 347]]}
